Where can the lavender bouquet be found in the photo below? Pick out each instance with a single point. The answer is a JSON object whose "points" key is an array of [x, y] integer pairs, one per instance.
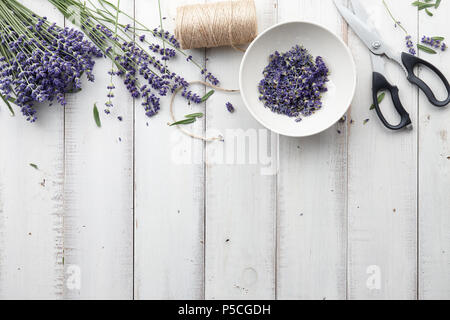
{"points": [[39, 61]]}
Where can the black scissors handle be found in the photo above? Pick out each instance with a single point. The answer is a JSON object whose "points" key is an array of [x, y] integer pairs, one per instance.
{"points": [[410, 62], [380, 83]]}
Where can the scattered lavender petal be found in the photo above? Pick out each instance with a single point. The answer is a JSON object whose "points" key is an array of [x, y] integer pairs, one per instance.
{"points": [[230, 107]]}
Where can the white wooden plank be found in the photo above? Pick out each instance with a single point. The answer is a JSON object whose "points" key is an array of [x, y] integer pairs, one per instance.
{"points": [[434, 171], [312, 194], [240, 198], [98, 238], [382, 200], [31, 200], [169, 189]]}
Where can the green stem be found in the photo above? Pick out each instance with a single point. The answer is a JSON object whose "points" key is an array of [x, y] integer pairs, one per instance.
{"points": [[8, 105], [143, 28], [162, 28], [393, 18]]}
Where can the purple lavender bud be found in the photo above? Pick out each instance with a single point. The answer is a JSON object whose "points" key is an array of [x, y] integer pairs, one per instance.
{"points": [[293, 83], [410, 45], [230, 107]]}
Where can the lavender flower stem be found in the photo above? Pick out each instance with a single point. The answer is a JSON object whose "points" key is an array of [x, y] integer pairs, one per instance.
{"points": [[145, 29], [115, 35], [393, 18], [161, 25]]}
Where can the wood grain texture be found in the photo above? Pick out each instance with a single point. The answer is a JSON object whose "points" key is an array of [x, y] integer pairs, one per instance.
{"points": [[169, 186], [312, 194], [434, 171], [144, 212], [98, 206], [382, 182], [31, 201], [240, 194]]}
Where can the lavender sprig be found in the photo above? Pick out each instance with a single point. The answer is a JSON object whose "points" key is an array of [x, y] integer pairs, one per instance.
{"points": [[434, 42], [408, 39], [113, 71], [410, 45]]}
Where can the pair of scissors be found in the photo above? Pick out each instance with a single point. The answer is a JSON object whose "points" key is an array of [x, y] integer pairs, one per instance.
{"points": [[358, 21]]}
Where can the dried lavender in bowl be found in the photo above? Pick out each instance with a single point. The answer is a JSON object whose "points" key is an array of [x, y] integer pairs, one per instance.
{"points": [[293, 83]]}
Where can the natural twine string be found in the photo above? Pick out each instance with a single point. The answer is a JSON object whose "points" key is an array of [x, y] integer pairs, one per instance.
{"points": [[227, 23], [190, 134]]}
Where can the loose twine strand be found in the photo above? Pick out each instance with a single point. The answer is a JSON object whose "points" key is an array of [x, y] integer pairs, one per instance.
{"points": [[186, 132], [228, 23]]}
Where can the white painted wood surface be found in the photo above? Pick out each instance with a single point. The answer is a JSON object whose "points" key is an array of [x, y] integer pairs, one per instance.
{"points": [[140, 211], [382, 176], [31, 201], [98, 189], [312, 194], [434, 176], [240, 198], [169, 192]]}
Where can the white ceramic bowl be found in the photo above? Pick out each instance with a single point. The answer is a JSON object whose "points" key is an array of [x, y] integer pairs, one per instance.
{"points": [[319, 41]]}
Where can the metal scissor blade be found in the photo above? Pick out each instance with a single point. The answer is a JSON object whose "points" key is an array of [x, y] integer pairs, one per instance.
{"points": [[377, 64], [363, 15], [360, 11], [370, 38]]}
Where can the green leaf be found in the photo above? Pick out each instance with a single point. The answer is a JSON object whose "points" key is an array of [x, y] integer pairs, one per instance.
{"points": [[184, 122], [426, 49], [75, 90], [34, 166], [429, 12], [423, 5], [438, 2], [194, 115], [208, 95], [97, 116], [438, 38], [380, 99], [8, 105]]}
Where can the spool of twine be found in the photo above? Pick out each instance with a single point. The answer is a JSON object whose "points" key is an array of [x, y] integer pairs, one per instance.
{"points": [[227, 23]]}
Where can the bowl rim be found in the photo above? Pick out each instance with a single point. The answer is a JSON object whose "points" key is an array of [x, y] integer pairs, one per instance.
{"points": [[244, 59]]}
